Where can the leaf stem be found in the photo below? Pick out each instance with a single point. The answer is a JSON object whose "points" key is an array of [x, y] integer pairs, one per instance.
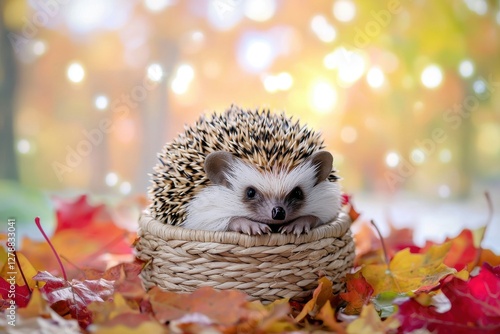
{"points": [[37, 222], [386, 257], [488, 221], [22, 273]]}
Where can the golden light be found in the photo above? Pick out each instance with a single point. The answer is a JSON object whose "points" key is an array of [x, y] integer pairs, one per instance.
{"points": [[375, 77], [432, 76], [324, 30], [259, 10], [75, 72], [344, 10], [184, 76], [323, 97], [392, 159]]}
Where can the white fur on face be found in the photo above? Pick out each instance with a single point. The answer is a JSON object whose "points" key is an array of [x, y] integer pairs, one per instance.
{"points": [[215, 205]]}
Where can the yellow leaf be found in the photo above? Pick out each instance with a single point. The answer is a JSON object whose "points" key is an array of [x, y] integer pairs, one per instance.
{"points": [[145, 327], [27, 269], [369, 322], [320, 295], [409, 272], [327, 315], [37, 306]]}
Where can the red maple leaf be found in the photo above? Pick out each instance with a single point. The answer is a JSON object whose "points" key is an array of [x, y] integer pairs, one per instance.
{"points": [[475, 307], [75, 214], [358, 293], [21, 294], [74, 296]]}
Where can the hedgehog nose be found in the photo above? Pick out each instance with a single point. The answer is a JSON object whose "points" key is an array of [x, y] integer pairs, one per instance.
{"points": [[278, 213]]}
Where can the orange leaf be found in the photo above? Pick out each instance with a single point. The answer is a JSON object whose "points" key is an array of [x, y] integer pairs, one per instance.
{"points": [[327, 315], [320, 296], [222, 307], [358, 293]]}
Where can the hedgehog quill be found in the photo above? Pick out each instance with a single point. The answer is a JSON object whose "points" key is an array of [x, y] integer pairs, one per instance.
{"points": [[246, 171]]}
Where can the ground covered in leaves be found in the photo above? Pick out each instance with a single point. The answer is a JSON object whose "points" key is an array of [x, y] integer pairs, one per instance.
{"points": [[84, 279]]}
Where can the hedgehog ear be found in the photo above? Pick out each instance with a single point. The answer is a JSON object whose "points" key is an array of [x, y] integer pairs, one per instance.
{"points": [[323, 161], [217, 166]]}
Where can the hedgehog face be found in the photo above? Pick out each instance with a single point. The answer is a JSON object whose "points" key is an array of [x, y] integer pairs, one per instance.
{"points": [[275, 197]]}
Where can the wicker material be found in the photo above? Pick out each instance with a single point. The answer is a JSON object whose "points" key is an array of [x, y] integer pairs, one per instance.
{"points": [[266, 267]]}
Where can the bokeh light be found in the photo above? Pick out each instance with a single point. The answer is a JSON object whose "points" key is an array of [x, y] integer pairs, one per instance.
{"points": [[155, 72], [111, 179], [23, 146], [324, 30], [255, 53], [375, 77], [466, 68], [432, 76], [323, 97], [157, 5], [183, 77], [75, 72], [392, 159], [344, 10], [101, 102], [259, 10]]}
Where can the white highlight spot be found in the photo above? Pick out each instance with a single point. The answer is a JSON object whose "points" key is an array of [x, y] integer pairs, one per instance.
{"points": [[324, 30], [466, 68], [432, 76], [480, 7], [418, 156], [125, 188], [157, 5], [111, 179], [183, 78], [323, 97], [75, 72], [101, 102], [23, 146], [392, 159], [479, 86], [39, 48], [375, 77], [260, 10], [155, 72], [344, 10]]}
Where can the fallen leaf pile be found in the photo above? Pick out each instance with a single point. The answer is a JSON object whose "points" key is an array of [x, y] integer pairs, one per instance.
{"points": [[89, 283]]}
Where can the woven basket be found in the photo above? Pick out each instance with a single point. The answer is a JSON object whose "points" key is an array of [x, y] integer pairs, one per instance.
{"points": [[266, 267]]}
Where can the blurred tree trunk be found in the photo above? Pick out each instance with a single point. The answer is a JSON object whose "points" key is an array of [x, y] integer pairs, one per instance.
{"points": [[8, 163]]}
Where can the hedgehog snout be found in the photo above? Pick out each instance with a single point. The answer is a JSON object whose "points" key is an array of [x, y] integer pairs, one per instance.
{"points": [[278, 213]]}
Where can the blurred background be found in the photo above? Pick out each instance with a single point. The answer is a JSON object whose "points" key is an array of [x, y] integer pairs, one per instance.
{"points": [[406, 94]]}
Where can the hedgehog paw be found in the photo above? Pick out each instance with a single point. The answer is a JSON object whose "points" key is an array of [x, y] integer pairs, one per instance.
{"points": [[247, 226], [300, 225]]}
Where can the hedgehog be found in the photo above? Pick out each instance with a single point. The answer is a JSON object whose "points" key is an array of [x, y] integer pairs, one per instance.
{"points": [[247, 171]]}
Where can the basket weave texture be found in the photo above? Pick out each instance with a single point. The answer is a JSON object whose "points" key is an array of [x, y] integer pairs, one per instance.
{"points": [[267, 267]]}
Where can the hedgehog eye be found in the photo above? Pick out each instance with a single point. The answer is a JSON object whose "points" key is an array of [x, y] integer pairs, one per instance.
{"points": [[297, 193], [251, 192]]}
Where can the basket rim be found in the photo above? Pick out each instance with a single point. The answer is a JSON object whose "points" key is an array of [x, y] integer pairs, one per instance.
{"points": [[335, 229]]}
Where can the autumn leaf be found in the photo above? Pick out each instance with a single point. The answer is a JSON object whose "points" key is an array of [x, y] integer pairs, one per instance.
{"points": [[358, 293], [23, 269], [408, 272], [76, 214], [222, 307], [270, 318], [36, 306], [475, 307], [321, 294], [74, 296], [21, 294], [327, 315], [369, 322]]}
